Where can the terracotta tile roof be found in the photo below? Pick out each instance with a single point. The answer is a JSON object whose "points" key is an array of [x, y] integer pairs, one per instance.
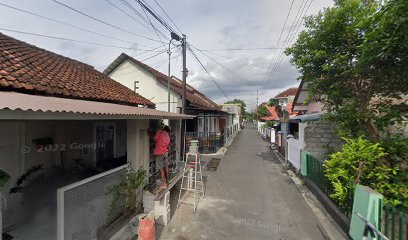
{"points": [[29, 69], [272, 114], [194, 97], [288, 92]]}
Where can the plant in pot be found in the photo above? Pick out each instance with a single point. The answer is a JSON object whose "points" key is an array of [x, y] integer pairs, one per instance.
{"points": [[4, 178], [20, 183], [125, 190]]}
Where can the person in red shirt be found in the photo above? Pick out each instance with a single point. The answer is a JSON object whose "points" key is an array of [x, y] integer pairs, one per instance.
{"points": [[161, 150]]}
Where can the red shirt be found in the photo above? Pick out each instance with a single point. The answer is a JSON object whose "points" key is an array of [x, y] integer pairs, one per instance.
{"points": [[162, 142]]}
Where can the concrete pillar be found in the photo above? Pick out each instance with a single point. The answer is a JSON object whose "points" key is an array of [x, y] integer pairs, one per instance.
{"points": [[138, 144], [138, 149], [367, 202]]}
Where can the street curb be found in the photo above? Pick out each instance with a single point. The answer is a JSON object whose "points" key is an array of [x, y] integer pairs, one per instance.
{"points": [[328, 226]]}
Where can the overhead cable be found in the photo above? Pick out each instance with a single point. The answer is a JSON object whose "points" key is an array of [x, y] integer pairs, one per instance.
{"points": [[101, 21]]}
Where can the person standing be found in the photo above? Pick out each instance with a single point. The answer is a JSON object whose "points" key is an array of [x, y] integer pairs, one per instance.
{"points": [[161, 150]]}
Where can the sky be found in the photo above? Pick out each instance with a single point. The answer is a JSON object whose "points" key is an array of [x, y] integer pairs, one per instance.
{"points": [[216, 27]]}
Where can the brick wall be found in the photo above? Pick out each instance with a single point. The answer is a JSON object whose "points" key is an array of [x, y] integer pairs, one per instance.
{"points": [[321, 138]]}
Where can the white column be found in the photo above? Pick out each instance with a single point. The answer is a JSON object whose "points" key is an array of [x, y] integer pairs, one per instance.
{"points": [[1, 215], [138, 144]]}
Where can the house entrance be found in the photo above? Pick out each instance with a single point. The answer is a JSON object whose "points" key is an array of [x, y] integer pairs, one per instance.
{"points": [[105, 143]]}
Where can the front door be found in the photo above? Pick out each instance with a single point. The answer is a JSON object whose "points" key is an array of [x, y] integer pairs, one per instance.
{"points": [[105, 144]]}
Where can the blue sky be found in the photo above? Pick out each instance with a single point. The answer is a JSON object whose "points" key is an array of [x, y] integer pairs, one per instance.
{"points": [[208, 25]]}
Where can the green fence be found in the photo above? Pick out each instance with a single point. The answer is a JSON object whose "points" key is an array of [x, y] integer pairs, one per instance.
{"points": [[315, 172], [394, 223]]}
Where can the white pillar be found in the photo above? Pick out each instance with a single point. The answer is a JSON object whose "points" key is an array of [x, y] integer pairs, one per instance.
{"points": [[138, 144], [1, 215]]}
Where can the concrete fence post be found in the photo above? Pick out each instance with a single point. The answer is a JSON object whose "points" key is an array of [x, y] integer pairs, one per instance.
{"points": [[303, 162], [367, 203]]}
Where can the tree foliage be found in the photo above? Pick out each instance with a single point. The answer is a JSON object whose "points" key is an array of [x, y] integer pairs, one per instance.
{"points": [[273, 102], [354, 57], [261, 111]]}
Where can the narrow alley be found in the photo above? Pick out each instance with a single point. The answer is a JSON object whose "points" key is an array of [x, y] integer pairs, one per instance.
{"points": [[250, 196]]}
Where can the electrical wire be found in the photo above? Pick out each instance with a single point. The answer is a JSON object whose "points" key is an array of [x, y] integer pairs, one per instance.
{"points": [[208, 73], [168, 16], [280, 35], [290, 37], [73, 40], [143, 8], [137, 13], [103, 22], [239, 49], [66, 24], [127, 14], [223, 66], [155, 15]]}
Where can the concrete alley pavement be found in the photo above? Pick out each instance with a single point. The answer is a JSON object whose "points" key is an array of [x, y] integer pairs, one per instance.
{"points": [[250, 196]]}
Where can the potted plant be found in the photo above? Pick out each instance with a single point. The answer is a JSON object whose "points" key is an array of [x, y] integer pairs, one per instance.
{"points": [[123, 205], [20, 183], [4, 178]]}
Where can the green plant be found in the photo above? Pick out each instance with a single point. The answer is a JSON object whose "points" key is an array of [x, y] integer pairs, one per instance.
{"points": [[359, 162], [353, 58], [19, 184], [261, 111], [126, 189], [4, 177]]}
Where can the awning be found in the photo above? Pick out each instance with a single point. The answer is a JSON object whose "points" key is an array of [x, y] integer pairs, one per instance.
{"points": [[20, 102], [306, 117]]}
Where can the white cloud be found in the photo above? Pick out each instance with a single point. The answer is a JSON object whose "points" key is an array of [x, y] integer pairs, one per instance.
{"points": [[207, 24]]}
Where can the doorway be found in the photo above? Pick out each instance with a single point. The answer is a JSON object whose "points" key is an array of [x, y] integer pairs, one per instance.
{"points": [[105, 139]]}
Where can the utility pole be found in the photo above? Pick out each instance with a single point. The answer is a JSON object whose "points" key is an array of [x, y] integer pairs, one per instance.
{"points": [[257, 91], [256, 109], [184, 45]]}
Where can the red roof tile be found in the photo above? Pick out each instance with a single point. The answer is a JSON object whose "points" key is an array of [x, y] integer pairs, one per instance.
{"points": [[196, 98], [288, 92], [272, 114], [29, 69]]}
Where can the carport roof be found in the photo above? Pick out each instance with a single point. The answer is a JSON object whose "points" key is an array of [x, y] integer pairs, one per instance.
{"points": [[46, 104]]}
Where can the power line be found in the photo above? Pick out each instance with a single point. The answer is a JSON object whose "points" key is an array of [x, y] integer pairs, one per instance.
{"points": [[134, 10], [65, 23], [150, 50], [271, 74], [143, 8], [168, 16], [280, 35], [127, 14], [101, 21], [290, 37], [155, 15], [240, 49], [208, 73], [223, 66], [73, 40]]}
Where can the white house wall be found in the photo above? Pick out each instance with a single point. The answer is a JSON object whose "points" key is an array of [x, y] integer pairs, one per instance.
{"points": [[129, 72]]}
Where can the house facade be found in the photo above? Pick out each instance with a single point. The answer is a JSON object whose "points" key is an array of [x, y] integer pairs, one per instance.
{"points": [[209, 118], [67, 134], [278, 127], [308, 133]]}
